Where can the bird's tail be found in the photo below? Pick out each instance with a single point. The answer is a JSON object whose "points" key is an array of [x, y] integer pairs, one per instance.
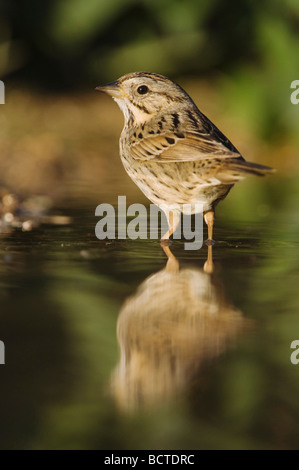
{"points": [[237, 169], [250, 168]]}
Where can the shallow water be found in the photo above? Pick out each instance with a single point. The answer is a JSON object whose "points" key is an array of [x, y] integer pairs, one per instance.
{"points": [[108, 346]]}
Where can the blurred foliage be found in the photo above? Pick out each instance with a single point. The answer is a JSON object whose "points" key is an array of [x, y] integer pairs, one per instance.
{"points": [[71, 41]]}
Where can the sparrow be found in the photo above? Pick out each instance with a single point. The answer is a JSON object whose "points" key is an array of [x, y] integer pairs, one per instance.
{"points": [[172, 151]]}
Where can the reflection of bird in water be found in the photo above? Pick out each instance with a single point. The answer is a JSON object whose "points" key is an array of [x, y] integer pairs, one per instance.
{"points": [[175, 321]]}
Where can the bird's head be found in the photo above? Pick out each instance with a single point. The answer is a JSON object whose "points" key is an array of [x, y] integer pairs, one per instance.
{"points": [[142, 95]]}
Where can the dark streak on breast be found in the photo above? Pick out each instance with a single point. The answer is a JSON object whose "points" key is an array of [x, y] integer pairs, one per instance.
{"points": [[175, 120], [152, 172], [170, 140], [165, 185], [167, 174]]}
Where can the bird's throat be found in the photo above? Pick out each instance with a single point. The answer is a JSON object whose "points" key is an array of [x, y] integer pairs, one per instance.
{"points": [[132, 114]]}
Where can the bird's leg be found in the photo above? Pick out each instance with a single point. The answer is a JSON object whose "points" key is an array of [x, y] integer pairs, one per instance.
{"points": [[172, 263], [209, 265], [173, 219], [209, 217]]}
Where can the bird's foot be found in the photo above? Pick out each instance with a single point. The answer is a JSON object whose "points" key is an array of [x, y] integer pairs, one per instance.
{"points": [[165, 242], [208, 267]]}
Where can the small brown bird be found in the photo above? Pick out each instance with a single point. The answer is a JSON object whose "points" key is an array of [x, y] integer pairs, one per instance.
{"points": [[172, 151]]}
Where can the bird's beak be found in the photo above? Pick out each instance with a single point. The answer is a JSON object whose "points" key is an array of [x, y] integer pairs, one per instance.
{"points": [[113, 89]]}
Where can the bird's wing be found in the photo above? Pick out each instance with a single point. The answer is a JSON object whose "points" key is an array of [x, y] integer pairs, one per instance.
{"points": [[180, 147]]}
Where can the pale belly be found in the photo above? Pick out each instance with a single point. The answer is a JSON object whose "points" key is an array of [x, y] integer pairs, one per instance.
{"points": [[181, 184]]}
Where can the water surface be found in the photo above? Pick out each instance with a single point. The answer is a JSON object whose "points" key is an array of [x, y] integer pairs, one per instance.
{"points": [[108, 346]]}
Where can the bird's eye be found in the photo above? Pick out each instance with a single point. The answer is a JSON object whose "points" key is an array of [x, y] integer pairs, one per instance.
{"points": [[142, 89]]}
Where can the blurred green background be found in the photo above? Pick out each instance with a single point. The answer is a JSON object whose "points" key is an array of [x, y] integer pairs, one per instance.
{"points": [[61, 290]]}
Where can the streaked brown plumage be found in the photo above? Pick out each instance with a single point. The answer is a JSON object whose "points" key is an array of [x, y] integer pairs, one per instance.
{"points": [[171, 150]]}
